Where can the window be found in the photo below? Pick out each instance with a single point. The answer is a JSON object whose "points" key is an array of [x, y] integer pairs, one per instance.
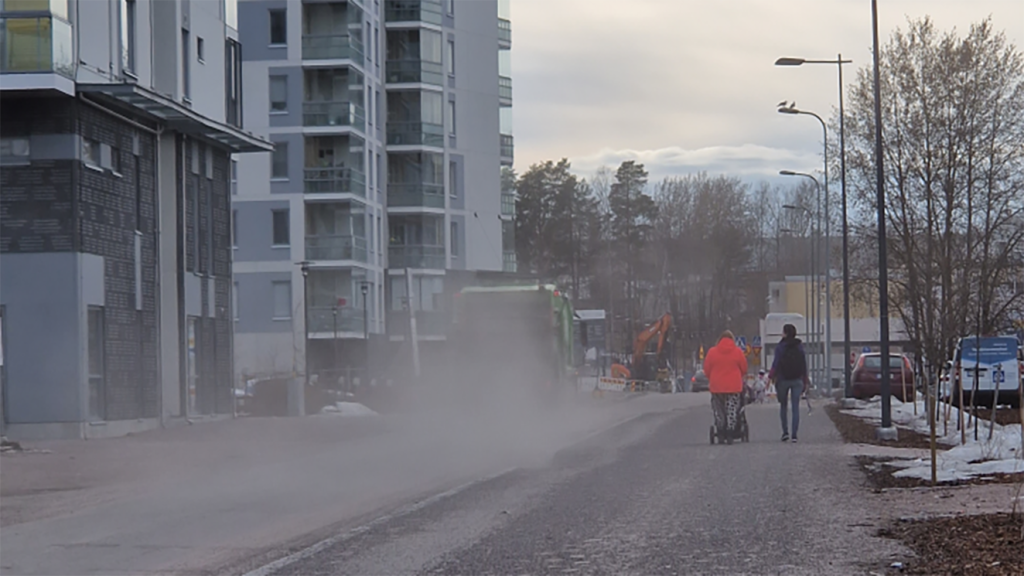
{"points": [[91, 152], [14, 151], [200, 49], [279, 164], [96, 338], [451, 57], [376, 43], [455, 238], [282, 300], [451, 113], [115, 160], [278, 28], [380, 171], [278, 93], [138, 196], [369, 103], [234, 176], [234, 301], [233, 82], [128, 32], [451, 7], [369, 49], [452, 182], [186, 72], [234, 228], [209, 162], [281, 236]]}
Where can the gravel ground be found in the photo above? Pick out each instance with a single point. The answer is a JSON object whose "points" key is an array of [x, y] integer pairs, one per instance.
{"points": [[980, 545]]}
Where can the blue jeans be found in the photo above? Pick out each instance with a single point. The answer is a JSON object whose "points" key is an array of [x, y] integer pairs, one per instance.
{"points": [[784, 388]]}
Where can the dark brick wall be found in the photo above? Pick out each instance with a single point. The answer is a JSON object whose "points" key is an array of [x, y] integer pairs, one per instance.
{"points": [[108, 221]]}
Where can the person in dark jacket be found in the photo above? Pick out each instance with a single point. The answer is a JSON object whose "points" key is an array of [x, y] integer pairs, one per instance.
{"points": [[789, 372]]}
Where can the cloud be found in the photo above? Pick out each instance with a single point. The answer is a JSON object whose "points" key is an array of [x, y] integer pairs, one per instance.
{"points": [[750, 162]]}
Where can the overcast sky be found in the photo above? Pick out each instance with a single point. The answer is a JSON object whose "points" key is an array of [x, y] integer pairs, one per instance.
{"points": [[688, 85]]}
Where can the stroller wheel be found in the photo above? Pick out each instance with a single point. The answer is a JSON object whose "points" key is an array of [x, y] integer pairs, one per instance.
{"points": [[711, 435]]}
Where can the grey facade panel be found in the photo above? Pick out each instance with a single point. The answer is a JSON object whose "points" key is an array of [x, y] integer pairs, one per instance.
{"points": [[93, 274], [458, 201], [459, 260], [55, 146], [254, 30], [255, 231], [296, 163], [256, 302], [44, 337], [292, 116]]}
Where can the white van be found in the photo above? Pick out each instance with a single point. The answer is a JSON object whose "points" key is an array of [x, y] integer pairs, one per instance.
{"points": [[994, 361]]}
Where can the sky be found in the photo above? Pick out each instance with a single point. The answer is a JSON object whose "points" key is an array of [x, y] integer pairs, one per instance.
{"points": [[685, 86]]}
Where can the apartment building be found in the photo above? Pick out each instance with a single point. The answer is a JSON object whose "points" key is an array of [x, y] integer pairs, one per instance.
{"points": [[118, 121], [391, 121]]}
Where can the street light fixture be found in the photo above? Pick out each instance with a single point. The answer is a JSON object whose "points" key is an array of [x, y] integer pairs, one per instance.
{"points": [[847, 387], [786, 108], [364, 288], [815, 290], [304, 266]]}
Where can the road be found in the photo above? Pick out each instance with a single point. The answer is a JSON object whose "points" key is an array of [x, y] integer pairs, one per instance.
{"points": [[628, 487]]}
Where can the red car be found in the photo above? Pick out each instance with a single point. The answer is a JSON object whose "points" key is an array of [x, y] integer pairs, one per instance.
{"points": [[866, 379]]}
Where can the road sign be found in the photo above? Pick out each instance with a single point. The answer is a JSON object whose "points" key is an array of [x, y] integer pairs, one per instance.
{"points": [[741, 342], [342, 302], [866, 349], [756, 343], [998, 376]]}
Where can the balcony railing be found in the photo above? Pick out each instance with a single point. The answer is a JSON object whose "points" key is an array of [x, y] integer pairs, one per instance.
{"points": [[508, 204], [42, 44], [508, 261], [331, 47], [333, 114], [416, 256], [418, 194], [324, 319], [429, 11], [507, 146], [334, 181], [415, 134], [504, 88], [339, 247], [504, 33], [423, 71]]}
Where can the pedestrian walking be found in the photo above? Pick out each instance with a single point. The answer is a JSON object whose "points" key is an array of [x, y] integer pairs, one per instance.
{"points": [[761, 386], [725, 367], [789, 372]]}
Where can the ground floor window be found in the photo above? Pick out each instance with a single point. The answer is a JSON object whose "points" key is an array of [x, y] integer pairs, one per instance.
{"points": [[97, 380]]}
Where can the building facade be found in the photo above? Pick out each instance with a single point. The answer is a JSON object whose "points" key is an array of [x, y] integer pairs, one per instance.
{"points": [[117, 128], [391, 124]]}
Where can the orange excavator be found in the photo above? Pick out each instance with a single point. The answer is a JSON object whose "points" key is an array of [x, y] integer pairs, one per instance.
{"points": [[644, 368]]}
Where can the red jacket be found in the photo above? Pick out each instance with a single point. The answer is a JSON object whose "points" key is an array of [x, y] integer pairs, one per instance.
{"points": [[725, 366]]}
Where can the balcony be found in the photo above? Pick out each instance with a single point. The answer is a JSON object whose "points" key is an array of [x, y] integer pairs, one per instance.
{"points": [[508, 263], [429, 11], [504, 34], [334, 181], [420, 195], [330, 320], [415, 134], [36, 45], [507, 148], [337, 247], [505, 90], [416, 256], [508, 204], [331, 47], [414, 71], [333, 114]]}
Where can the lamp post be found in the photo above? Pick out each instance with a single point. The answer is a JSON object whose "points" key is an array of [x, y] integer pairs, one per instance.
{"points": [[304, 265], [816, 309], [847, 388], [792, 109], [364, 288], [887, 431], [807, 285]]}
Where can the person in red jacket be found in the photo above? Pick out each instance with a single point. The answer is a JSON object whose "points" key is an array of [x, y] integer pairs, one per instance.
{"points": [[725, 367]]}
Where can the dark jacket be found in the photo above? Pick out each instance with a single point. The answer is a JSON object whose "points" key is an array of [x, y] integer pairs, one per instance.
{"points": [[778, 353]]}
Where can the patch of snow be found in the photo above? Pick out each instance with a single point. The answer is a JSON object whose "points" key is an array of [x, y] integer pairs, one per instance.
{"points": [[347, 409]]}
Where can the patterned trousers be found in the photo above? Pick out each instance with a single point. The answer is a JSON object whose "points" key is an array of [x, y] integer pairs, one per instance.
{"points": [[726, 408]]}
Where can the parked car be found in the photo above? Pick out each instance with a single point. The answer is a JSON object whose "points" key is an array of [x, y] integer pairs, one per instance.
{"points": [[866, 379], [699, 382]]}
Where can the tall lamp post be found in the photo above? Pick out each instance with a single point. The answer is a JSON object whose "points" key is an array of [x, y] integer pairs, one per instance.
{"points": [[816, 309], [847, 388], [304, 265], [364, 288], [792, 109]]}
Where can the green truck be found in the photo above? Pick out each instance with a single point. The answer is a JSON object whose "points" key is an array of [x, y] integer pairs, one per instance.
{"points": [[515, 335]]}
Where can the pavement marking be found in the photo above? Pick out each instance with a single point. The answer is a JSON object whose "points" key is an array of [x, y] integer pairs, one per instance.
{"points": [[268, 569]]}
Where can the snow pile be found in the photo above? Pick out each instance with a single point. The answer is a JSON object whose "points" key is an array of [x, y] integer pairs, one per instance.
{"points": [[347, 409], [976, 458]]}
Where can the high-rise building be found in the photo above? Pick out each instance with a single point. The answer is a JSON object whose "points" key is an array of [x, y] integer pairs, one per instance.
{"points": [[391, 123], [118, 121]]}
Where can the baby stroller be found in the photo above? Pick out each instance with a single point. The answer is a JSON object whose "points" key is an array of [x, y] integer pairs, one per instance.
{"points": [[729, 409]]}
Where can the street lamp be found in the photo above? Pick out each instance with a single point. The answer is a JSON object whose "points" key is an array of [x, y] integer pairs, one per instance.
{"points": [[364, 288], [792, 109], [847, 388], [816, 309], [304, 265]]}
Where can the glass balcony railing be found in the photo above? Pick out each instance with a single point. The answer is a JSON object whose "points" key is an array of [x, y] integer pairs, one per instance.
{"points": [[339, 247], [504, 31], [429, 11], [331, 47], [504, 87], [422, 71], [415, 134], [36, 44], [327, 319], [508, 263], [416, 256], [333, 114], [416, 194], [508, 204], [507, 144], [334, 181]]}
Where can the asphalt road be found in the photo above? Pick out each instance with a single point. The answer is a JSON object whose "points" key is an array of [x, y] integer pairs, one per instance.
{"points": [[649, 496]]}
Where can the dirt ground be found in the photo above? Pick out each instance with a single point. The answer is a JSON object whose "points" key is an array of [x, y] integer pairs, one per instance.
{"points": [[982, 545], [858, 431]]}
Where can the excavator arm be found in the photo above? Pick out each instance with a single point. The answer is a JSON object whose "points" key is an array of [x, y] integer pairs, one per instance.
{"points": [[660, 329]]}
